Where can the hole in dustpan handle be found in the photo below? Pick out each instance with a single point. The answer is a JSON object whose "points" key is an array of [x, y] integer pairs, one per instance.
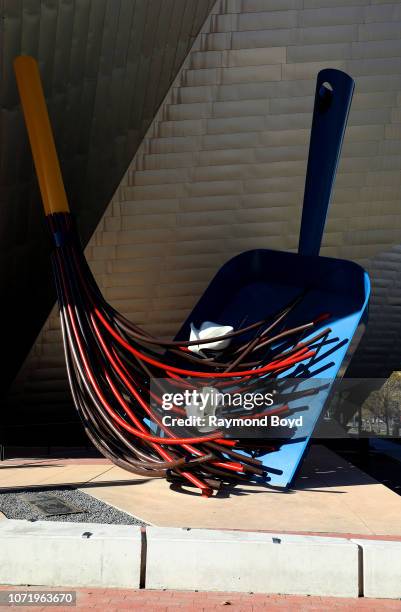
{"points": [[324, 97], [333, 96]]}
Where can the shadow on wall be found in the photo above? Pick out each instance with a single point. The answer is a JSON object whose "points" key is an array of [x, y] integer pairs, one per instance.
{"points": [[106, 67]]}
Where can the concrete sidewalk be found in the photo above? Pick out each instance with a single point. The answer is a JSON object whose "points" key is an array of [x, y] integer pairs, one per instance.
{"points": [[239, 530], [329, 496]]}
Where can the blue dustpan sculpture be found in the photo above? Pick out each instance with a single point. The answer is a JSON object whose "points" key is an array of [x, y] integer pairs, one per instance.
{"points": [[258, 283]]}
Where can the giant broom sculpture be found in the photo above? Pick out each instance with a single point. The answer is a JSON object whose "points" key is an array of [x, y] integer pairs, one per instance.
{"points": [[111, 361]]}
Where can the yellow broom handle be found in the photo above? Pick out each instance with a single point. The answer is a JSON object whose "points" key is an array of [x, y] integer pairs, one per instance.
{"points": [[40, 135]]}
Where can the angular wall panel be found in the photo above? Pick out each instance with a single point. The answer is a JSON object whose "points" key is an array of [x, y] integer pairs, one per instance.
{"points": [[106, 66]]}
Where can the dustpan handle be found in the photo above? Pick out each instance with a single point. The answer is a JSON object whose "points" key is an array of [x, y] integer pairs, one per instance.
{"points": [[333, 96], [40, 135]]}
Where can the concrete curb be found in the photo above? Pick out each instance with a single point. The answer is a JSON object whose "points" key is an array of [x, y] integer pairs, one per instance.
{"points": [[238, 561], [69, 554], [93, 555], [381, 568]]}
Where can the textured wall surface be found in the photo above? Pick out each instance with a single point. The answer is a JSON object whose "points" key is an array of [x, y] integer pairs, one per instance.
{"points": [[106, 67], [222, 170]]}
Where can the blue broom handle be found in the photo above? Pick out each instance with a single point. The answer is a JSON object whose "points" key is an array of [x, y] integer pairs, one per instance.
{"points": [[333, 96]]}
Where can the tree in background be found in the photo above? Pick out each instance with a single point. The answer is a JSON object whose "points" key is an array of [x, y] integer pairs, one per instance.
{"points": [[385, 404]]}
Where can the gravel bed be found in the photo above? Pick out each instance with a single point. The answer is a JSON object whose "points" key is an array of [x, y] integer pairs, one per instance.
{"points": [[15, 506]]}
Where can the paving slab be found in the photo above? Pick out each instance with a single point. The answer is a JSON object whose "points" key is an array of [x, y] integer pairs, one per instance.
{"points": [[42, 472], [329, 496]]}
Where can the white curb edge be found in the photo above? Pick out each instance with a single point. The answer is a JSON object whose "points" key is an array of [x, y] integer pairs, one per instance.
{"points": [[259, 562], [124, 556], [381, 572], [70, 554]]}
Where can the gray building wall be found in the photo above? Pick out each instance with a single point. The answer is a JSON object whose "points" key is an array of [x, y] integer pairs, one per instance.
{"points": [[222, 170]]}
